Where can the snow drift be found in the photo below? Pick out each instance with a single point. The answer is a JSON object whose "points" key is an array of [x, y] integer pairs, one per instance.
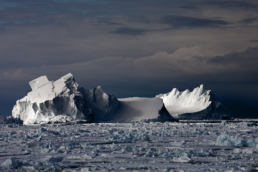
{"points": [[141, 109], [198, 104]]}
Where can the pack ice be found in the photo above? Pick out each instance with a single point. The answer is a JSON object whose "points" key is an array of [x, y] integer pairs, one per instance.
{"points": [[196, 105]]}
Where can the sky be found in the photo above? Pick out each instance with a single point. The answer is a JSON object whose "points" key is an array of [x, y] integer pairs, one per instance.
{"points": [[132, 48]]}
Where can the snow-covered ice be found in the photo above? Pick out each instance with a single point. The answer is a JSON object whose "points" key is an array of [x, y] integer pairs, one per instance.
{"points": [[123, 147]]}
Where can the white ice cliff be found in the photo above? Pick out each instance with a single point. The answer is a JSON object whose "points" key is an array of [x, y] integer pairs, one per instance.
{"points": [[198, 104], [52, 101], [63, 100]]}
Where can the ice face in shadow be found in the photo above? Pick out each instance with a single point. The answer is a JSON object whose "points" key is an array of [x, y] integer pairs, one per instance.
{"points": [[102, 104], [52, 101], [198, 104]]}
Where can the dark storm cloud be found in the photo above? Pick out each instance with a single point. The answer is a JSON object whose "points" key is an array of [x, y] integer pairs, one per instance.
{"points": [[249, 20], [188, 7], [129, 31], [192, 22], [254, 40], [110, 23], [11, 4], [247, 58], [233, 4], [19, 22], [107, 21], [88, 2]]}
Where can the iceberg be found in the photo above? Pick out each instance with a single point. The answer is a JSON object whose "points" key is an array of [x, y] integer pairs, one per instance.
{"points": [[196, 105], [51, 101], [63, 101]]}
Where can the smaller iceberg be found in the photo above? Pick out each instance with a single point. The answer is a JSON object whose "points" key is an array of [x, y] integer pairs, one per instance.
{"points": [[196, 105]]}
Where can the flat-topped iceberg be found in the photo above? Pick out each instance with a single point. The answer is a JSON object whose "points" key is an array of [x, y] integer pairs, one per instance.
{"points": [[198, 104]]}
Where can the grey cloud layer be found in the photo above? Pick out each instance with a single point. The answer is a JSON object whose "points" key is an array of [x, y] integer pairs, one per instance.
{"points": [[184, 21], [184, 65]]}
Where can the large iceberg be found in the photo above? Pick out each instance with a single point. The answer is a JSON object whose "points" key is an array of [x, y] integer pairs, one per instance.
{"points": [[196, 105], [63, 100], [52, 100]]}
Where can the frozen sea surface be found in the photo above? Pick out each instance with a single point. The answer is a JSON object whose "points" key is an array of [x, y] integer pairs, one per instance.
{"points": [[121, 147]]}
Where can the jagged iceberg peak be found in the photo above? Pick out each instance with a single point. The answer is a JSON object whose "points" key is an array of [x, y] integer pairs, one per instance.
{"points": [[197, 98], [52, 100], [198, 104]]}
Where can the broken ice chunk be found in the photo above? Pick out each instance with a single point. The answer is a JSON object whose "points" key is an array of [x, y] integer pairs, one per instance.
{"points": [[237, 151], [182, 159], [11, 163], [227, 140], [247, 151], [177, 144]]}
